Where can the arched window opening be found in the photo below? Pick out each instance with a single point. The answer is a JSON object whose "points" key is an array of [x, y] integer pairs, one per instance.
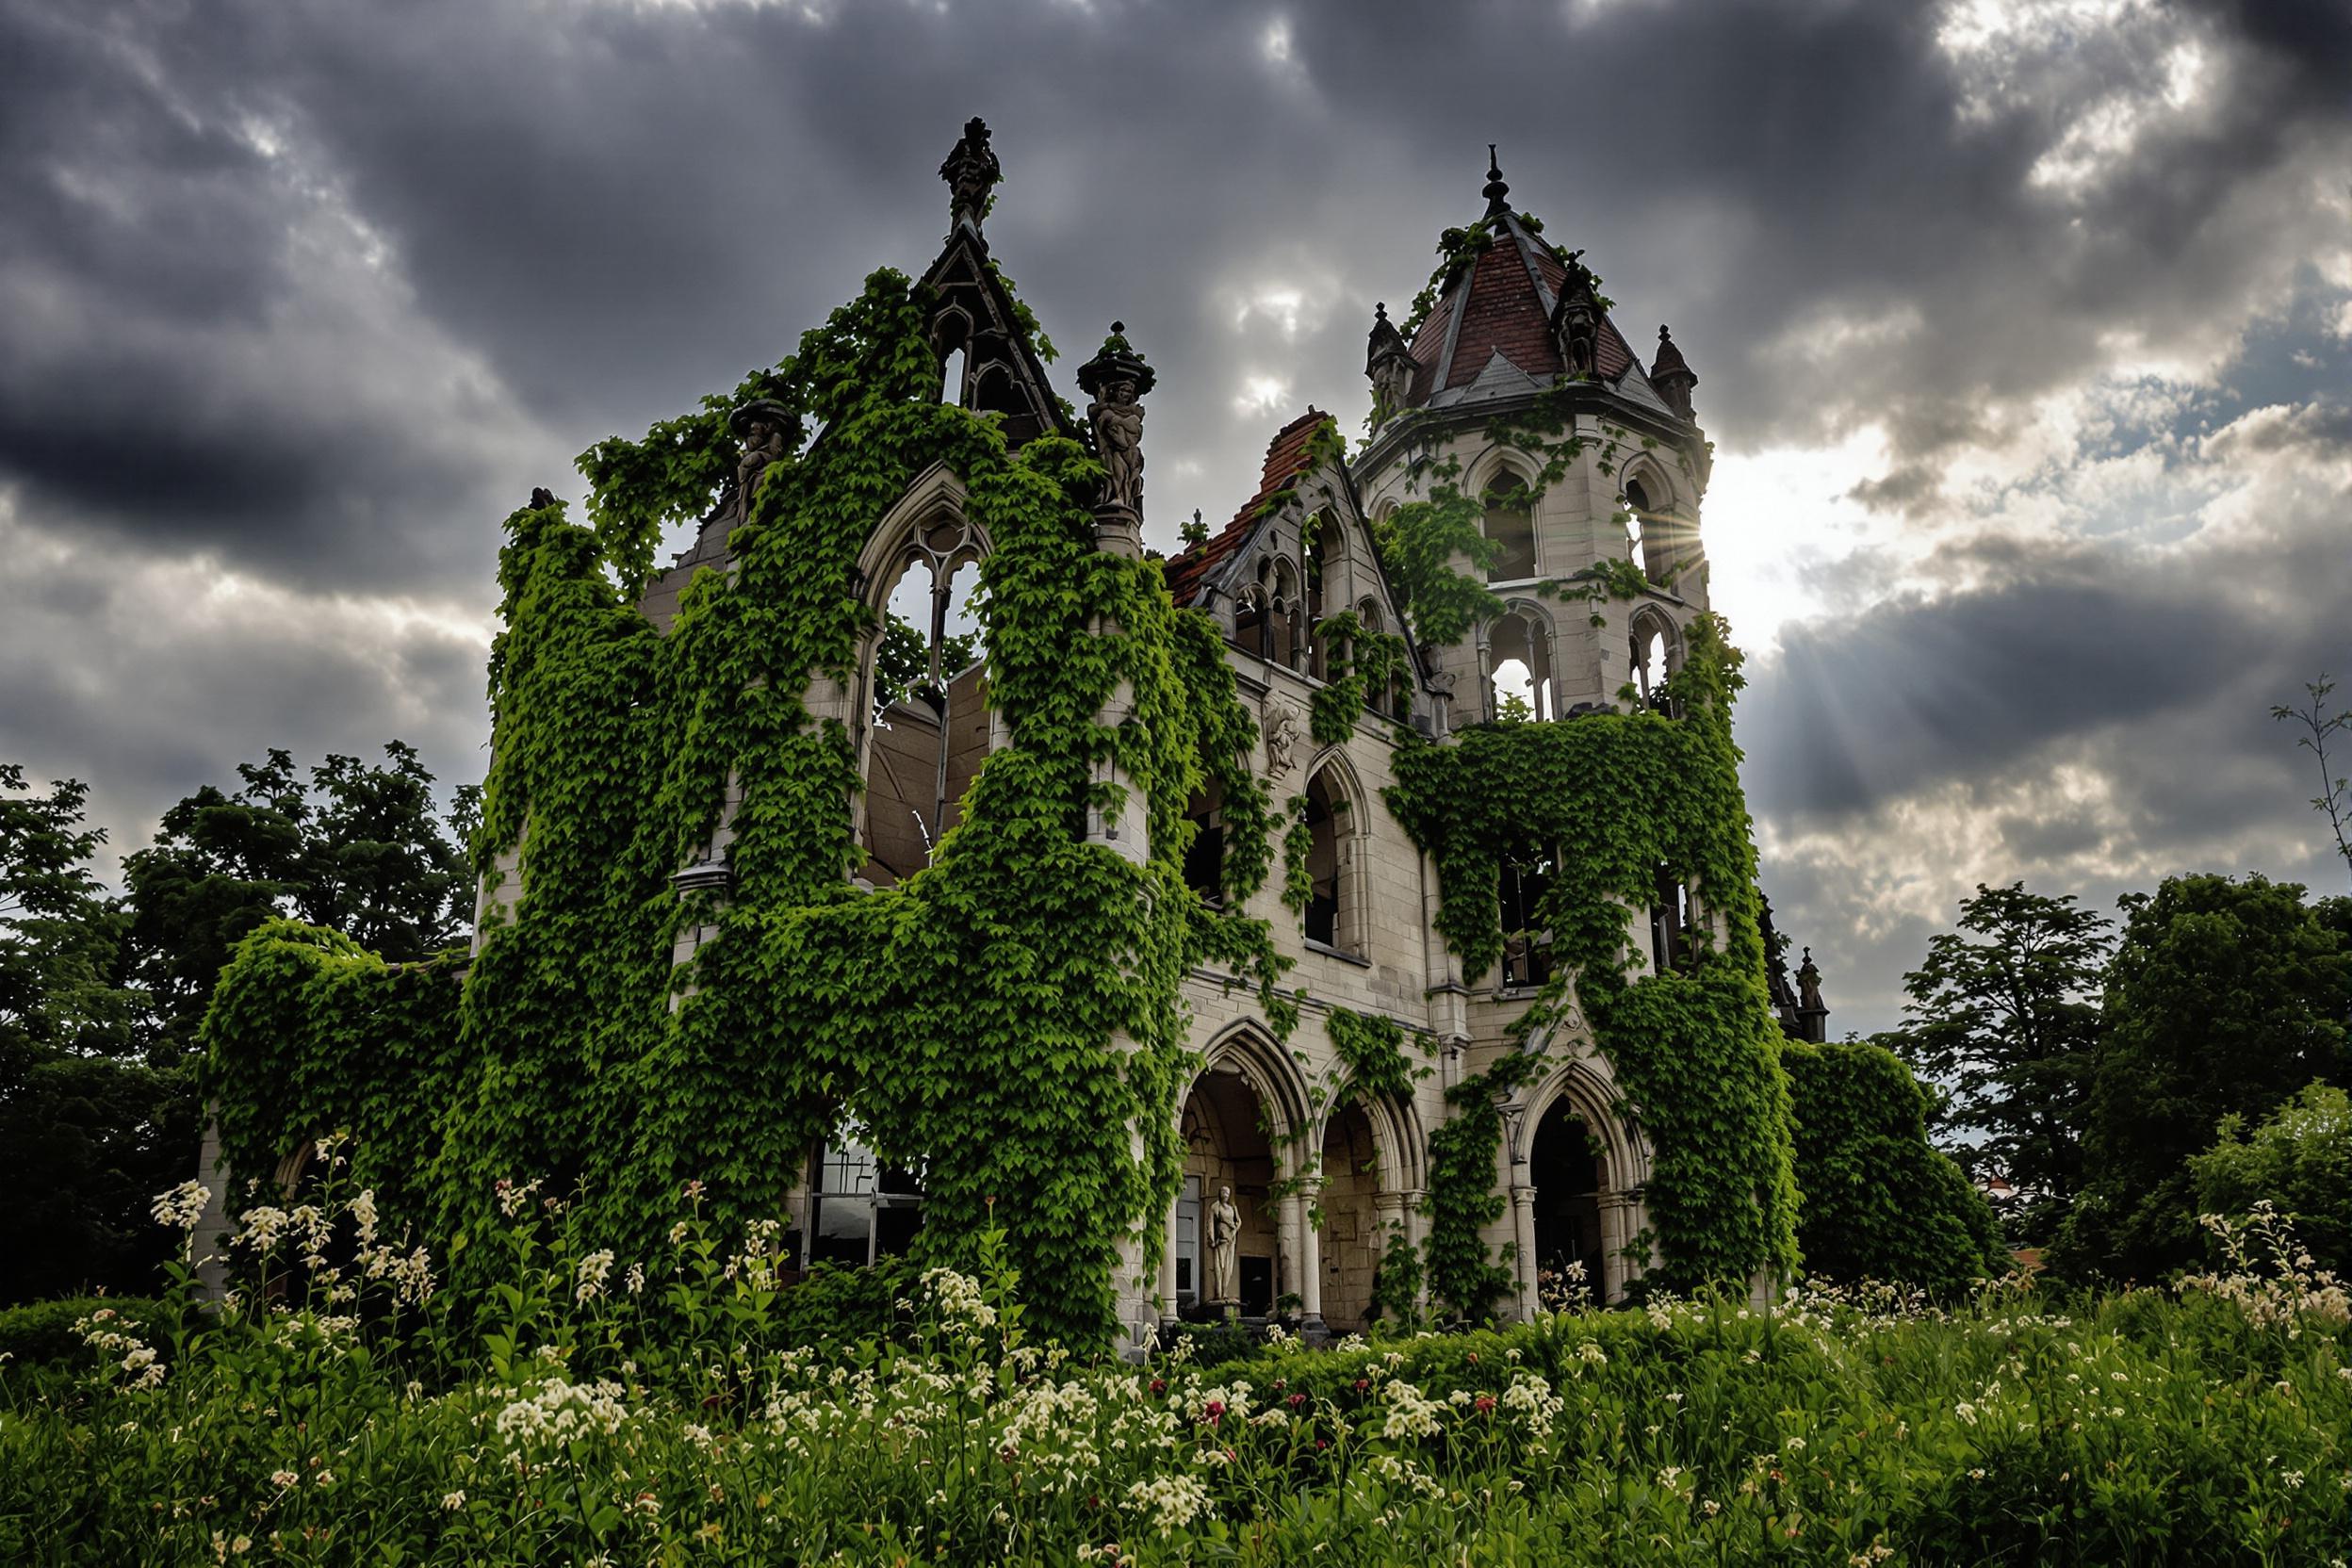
{"points": [[927, 712], [1649, 535], [1323, 559], [1510, 526], [1526, 882], [1253, 624], [1282, 584], [1332, 917], [1565, 1166], [861, 1209], [1520, 658], [1652, 663], [1672, 934], [954, 363], [1205, 858], [995, 394]]}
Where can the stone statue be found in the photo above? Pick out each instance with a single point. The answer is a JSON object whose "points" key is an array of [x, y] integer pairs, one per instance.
{"points": [[1282, 739], [1117, 377], [766, 427], [1117, 420], [971, 172], [1224, 1247]]}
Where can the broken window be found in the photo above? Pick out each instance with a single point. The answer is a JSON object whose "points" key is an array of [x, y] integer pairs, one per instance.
{"points": [[1519, 659], [1652, 662], [1648, 536], [1205, 858], [1510, 526], [1526, 882], [927, 714], [861, 1209], [1671, 930]]}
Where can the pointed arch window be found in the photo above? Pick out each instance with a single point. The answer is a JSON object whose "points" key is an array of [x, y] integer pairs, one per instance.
{"points": [[1519, 667], [1649, 534], [1334, 912], [1673, 926], [1654, 656], [1526, 882], [1510, 528]]}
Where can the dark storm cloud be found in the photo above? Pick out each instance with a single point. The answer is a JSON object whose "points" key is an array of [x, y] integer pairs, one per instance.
{"points": [[314, 293]]}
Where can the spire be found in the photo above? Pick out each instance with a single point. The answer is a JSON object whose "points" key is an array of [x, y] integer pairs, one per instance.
{"points": [[1672, 374], [1496, 190], [1389, 364]]}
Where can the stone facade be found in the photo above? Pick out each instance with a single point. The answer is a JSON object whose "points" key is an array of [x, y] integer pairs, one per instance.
{"points": [[1324, 1176]]}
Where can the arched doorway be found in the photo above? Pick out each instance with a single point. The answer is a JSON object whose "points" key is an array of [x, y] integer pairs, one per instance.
{"points": [[1568, 1169], [1226, 1148]]}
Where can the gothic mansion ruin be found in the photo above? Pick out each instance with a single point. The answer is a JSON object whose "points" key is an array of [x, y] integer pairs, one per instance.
{"points": [[1379, 857]]}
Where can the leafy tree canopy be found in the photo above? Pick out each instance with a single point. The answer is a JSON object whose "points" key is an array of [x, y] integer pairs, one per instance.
{"points": [[2224, 998], [2300, 1161], [2003, 1018]]}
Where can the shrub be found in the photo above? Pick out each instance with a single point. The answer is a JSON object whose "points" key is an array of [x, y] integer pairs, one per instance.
{"points": [[40, 1333]]}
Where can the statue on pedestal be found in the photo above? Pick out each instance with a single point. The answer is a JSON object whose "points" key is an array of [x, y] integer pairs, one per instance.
{"points": [[1224, 1249]]}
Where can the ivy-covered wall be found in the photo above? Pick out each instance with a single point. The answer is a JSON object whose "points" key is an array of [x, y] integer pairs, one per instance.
{"points": [[1000, 1015], [1614, 797]]}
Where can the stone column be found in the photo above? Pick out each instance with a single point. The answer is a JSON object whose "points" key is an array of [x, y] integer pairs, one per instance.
{"points": [[1311, 1257], [1522, 1232], [1416, 1231], [1290, 1226], [1167, 1262]]}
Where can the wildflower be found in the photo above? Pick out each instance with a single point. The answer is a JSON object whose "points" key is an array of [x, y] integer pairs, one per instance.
{"points": [[452, 1501], [1173, 1501], [594, 1268], [635, 1277], [183, 1207], [692, 1190], [284, 1480]]}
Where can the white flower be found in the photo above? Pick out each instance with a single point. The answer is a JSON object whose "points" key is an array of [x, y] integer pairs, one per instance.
{"points": [[183, 1207], [285, 1480], [1173, 1501], [454, 1500], [594, 1268]]}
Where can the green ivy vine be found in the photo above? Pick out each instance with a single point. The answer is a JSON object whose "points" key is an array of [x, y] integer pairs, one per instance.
{"points": [[984, 1019], [1694, 1050]]}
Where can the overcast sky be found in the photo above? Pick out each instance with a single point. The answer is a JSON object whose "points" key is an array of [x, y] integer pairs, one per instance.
{"points": [[2024, 331]]}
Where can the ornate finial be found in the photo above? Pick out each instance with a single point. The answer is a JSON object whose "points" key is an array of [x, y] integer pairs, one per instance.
{"points": [[1379, 310], [1496, 190], [1672, 374], [971, 172]]}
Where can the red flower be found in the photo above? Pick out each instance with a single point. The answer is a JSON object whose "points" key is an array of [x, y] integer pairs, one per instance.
{"points": [[1484, 1403], [1362, 1383], [1213, 1410], [1159, 1385], [1296, 1399]]}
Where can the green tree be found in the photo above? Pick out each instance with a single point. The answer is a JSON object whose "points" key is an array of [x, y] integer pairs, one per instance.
{"points": [[2224, 998], [84, 1134], [1878, 1203], [2300, 1160], [2002, 1019], [357, 849]]}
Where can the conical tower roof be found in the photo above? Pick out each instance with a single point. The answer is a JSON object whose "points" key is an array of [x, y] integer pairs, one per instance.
{"points": [[1488, 333]]}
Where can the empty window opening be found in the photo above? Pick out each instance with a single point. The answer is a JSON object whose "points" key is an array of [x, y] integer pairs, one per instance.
{"points": [[927, 714], [1526, 882], [1332, 917], [1253, 625], [1511, 526], [1649, 536], [1673, 932], [1651, 662], [1520, 661], [1205, 858]]}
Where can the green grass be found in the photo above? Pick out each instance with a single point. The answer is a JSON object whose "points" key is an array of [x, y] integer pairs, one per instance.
{"points": [[561, 1416]]}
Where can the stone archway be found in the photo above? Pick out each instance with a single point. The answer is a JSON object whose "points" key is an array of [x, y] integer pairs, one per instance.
{"points": [[1244, 1121], [1565, 1169], [1578, 1173]]}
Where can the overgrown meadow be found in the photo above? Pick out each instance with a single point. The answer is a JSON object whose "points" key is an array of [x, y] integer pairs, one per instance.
{"points": [[682, 1409]]}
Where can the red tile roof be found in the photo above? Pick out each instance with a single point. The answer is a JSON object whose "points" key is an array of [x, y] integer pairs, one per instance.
{"points": [[1286, 462], [1503, 312], [1503, 309]]}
